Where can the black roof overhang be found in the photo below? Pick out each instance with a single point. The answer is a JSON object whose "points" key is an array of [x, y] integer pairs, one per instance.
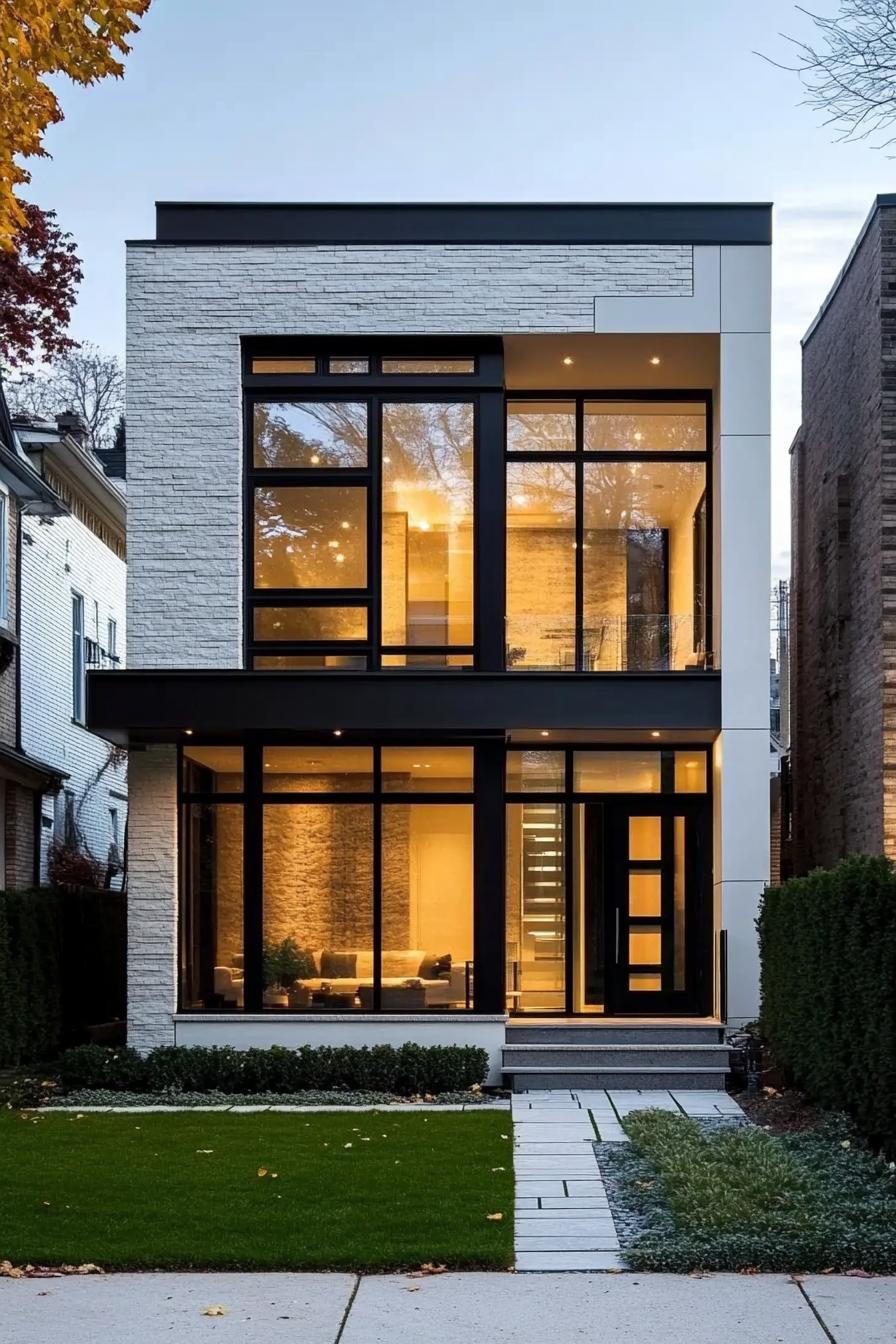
{"points": [[384, 224], [157, 705]]}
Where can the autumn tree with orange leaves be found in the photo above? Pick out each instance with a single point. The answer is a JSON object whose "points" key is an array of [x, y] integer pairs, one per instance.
{"points": [[39, 270]]}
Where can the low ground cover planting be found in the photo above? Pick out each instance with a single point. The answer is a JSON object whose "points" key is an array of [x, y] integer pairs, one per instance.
{"points": [[194, 1190], [737, 1197]]}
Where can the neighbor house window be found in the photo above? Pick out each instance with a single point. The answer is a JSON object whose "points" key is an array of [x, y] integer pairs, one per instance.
{"points": [[112, 640], [79, 658], [607, 513]]}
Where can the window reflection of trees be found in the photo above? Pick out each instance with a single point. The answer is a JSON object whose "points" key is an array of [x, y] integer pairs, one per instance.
{"points": [[302, 531], [310, 434], [430, 444]]}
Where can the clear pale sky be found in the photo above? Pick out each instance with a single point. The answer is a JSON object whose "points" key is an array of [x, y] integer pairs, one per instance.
{"points": [[518, 100]]}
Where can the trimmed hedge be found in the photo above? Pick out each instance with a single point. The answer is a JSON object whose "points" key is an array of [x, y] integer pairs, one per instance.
{"points": [[62, 969], [30, 976], [405, 1070], [828, 984]]}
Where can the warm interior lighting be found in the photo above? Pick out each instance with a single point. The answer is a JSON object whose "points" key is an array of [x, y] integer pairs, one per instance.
{"points": [[545, 733], [655, 359], [568, 359], [337, 732], [654, 734], [189, 732]]}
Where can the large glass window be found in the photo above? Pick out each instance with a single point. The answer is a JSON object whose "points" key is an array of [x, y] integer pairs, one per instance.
{"points": [[427, 524], [427, 957], [541, 565], [367, 493], [345, 836], [607, 514]]}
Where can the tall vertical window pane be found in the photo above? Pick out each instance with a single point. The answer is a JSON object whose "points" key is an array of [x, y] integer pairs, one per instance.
{"points": [[212, 908], [318, 905], [536, 907], [427, 955], [638, 564], [310, 536], [427, 556], [541, 565], [78, 658]]}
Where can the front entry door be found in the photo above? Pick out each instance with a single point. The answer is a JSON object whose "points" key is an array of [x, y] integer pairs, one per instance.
{"points": [[649, 861]]}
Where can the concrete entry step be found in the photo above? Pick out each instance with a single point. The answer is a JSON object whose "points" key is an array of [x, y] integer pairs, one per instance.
{"points": [[639, 1078], [571, 1032], [603, 1057]]}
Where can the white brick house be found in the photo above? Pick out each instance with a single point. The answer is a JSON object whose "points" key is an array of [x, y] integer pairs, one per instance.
{"points": [[73, 573], [475, 490]]}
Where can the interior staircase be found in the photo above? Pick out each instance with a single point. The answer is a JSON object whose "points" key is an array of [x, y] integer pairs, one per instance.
{"points": [[619, 1055]]}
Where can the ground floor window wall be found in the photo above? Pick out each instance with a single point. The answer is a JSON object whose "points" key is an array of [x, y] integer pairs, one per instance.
{"points": [[446, 878], [359, 892]]}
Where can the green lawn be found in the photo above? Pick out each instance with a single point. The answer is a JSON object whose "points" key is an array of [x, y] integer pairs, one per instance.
{"points": [[369, 1191]]}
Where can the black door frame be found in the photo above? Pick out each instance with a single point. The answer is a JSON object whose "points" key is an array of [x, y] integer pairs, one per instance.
{"points": [[606, 868]]}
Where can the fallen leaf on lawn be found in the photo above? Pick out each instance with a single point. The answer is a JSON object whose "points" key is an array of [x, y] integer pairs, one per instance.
{"points": [[859, 1274], [846, 1144], [273, 1178], [346, 1145], [505, 1136], [426, 1269], [499, 1168], [262, 1171], [364, 1138], [494, 1217], [749, 1269], [215, 1311], [205, 1150], [10, 1271], [644, 1185], [88, 1268]]}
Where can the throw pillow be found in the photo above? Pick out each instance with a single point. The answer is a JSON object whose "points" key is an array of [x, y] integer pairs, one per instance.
{"points": [[435, 968], [338, 965]]}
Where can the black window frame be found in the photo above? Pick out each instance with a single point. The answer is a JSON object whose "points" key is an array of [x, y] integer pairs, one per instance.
{"points": [[579, 456], [483, 389], [485, 987]]}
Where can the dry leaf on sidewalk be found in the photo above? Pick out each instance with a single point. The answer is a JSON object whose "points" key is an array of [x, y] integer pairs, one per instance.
{"points": [[215, 1311], [494, 1217]]}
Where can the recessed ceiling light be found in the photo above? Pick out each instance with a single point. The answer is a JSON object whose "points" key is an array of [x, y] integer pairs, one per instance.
{"points": [[654, 734], [189, 732], [340, 558], [655, 359], [346, 526], [545, 733], [568, 359], [416, 765], [638, 436], [337, 732]]}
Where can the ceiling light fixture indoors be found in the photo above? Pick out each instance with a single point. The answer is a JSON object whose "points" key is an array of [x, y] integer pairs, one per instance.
{"points": [[568, 359], [655, 359]]}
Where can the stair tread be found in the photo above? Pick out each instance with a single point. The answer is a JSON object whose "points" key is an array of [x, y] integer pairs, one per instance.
{"points": [[615, 1068], [619, 1045]]}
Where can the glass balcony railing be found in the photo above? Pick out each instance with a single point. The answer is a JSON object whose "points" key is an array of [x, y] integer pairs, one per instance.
{"points": [[659, 643]]}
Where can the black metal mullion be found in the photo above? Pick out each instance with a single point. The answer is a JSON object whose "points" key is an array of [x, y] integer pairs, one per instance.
{"points": [[377, 879], [253, 879], [667, 903], [375, 534], [580, 540], [571, 932]]}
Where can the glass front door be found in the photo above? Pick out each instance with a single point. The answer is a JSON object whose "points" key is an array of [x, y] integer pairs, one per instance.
{"points": [[647, 882]]}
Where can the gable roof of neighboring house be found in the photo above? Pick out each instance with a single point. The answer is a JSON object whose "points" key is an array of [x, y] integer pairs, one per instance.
{"points": [[19, 473], [77, 475]]}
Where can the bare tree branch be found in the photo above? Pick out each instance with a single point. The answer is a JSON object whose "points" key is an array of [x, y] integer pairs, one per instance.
{"points": [[849, 73], [85, 381]]}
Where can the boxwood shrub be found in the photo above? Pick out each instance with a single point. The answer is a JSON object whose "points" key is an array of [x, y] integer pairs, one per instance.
{"points": [[828, 980], [404, 1070]]}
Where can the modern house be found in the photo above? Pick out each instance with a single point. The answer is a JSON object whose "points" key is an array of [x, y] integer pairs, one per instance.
{"points": [[25, 778], [72, 596], [447, 684], [844, 563]]}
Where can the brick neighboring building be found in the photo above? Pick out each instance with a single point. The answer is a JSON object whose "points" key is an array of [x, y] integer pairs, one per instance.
{"points": [[24, 778], [844, 563]]}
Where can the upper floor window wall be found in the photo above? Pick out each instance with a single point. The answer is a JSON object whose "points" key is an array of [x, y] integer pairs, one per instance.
{"points": [[360, 490], [607, 533]]}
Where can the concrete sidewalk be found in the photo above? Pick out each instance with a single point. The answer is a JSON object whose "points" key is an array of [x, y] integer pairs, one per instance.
{"points": [[449, 1309]]}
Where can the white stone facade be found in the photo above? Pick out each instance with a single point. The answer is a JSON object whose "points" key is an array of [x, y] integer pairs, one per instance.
{"points": [[189, 307], [61, 556]]}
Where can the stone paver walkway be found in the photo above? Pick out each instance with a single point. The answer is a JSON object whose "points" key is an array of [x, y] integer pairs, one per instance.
{"points": [[563, 1216]]}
